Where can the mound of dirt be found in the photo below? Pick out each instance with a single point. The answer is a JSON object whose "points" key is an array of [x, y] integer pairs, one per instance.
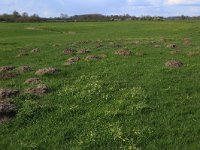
{"points": [[74, 59], [8, 75], [38, 90], [123, 52], [172, 46], [6, 68], [7, 93], [47, 71], [192, 53], [22, 54], [92, 57], [174, 64], [32, 81], [35, 50], [187, 41], [7, 111], [69, 63], [69, 51], [23, 69], [83, 51]]}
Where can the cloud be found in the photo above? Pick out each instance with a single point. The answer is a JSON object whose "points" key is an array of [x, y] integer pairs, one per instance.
{"points": [[52, 8], [172, 2]]}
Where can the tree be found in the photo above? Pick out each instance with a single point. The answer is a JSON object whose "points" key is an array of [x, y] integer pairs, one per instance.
{"points": [[16, 14], [25, 14], [64, 16]]}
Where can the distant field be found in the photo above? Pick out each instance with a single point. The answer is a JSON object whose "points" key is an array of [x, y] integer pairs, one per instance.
{"points": [[110, 102]]}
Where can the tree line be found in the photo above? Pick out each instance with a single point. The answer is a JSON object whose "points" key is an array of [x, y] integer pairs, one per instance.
{"points": [[17, 17], [25, 17]]}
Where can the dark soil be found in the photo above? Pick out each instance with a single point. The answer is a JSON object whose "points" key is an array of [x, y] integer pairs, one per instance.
{"points": [[6, 68], [123, 52], [38, 90], [174, 64], [47, 71], [32, 81], [7, 93], [8, 75]]}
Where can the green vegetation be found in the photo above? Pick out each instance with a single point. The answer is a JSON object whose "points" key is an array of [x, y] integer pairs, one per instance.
{"points": [[119, 102]]}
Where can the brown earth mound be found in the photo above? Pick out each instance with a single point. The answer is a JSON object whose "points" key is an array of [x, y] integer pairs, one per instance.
{"points": [[68, 63], [32, 81], [187, 41], [38, 90], [69, 51], [22, 54], [8, 75], [74, 59], [7, 93], [123, 52], [83, 51], [23, 69], [46, 71], [92, 57], [35, 50], [174, 64], [172, 46], [7, 111], [6, 68]]}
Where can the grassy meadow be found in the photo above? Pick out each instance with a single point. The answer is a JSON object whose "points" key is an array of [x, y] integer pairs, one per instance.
{"points": [[118, 102]]}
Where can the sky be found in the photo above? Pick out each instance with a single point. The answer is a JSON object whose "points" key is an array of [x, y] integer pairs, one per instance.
{"points": [[53, 8]]}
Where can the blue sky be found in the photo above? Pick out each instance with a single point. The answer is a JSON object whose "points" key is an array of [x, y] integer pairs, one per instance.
{"points": [[47, 8]]}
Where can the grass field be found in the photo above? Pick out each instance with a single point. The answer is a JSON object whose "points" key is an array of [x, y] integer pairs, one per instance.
{"points": [[118, 102]]}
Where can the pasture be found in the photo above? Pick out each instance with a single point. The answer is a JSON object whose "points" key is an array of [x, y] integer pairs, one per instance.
{"points": [[104, 85]]}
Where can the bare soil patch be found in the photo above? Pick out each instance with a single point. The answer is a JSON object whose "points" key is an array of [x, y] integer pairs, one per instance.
{"points": [[7, 111], [174, 64], [8, 93], [32, 81], [35, 50], [123, 52], [92, 57], [69, 51], [172, 46], [23, 69], [83, 51], [22, 54], [40, 89], [74, 59], [47, 71], [187, 41], [8, 75], [6, 68]]}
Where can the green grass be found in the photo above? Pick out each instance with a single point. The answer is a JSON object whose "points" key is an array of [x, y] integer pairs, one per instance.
{"points": [[115, 103]]}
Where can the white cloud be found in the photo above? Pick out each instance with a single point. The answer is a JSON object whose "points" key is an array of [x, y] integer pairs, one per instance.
{"points": [[172, 2]]}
